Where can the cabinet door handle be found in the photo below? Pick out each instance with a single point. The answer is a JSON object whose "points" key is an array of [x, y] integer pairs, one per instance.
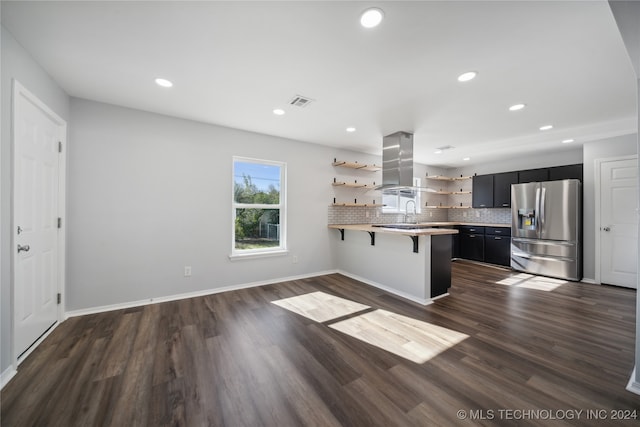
{"points": [[505, 204], [497, 238]]}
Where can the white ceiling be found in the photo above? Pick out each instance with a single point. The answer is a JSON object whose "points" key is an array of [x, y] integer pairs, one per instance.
{"points": [[232, 63]]}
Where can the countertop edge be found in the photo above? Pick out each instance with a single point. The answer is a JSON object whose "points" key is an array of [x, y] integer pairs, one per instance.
{"points": [[413, 232]]}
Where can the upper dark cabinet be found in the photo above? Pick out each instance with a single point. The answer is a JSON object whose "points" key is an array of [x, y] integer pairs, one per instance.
{"points": [[565, 172], [482, 195], [494, 191], [533, 175], [502, 188]]}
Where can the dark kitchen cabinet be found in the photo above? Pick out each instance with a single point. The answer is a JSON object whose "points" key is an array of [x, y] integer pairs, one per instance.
{"points": [[455, 242], [472, 243], [533, 175], [440, 264], [565, 172], [502, 188], [482, 196], [497, 246]]}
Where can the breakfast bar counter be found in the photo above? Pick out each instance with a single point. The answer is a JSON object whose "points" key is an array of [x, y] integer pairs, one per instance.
{"points": [[380, 255]]}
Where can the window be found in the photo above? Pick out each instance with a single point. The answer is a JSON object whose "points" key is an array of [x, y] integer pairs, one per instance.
{"points": [[397, 202], [258, 204]]}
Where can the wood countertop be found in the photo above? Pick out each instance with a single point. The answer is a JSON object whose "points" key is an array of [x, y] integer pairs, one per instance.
{"points": [[403, 232]]}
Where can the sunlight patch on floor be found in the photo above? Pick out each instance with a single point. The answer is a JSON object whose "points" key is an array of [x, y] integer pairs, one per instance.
{"points": [[403, 336], [320, 306], [530, 281]]}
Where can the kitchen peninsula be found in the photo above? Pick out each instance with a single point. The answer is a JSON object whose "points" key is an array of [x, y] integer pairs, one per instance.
{"points": [[418, 268]]}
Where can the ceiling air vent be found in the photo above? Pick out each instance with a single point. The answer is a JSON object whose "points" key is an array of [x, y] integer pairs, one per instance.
{"points": [[445, 148], [300, 101]]}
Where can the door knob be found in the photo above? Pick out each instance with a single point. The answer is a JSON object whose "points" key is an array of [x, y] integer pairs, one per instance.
{"points": [[607, 228], [24, 248]]}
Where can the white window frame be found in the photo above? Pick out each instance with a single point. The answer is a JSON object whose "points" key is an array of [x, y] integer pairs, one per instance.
{"points": [[282, 206], [398, 208]]}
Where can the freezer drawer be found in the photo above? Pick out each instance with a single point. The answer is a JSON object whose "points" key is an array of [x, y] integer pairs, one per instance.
{"points": [[548, 258]]}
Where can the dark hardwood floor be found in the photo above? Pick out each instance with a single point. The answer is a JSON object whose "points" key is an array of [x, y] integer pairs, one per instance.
{"points": [[235, 359]]}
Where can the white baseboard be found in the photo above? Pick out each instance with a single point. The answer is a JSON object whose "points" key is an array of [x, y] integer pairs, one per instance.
{"points": [[6, 376], [633, 386], [139, 303], [589, 281], [386, 288]]}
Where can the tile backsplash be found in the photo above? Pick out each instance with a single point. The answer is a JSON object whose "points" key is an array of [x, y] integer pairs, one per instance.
{"points": [[374, 215], [481, 216]]}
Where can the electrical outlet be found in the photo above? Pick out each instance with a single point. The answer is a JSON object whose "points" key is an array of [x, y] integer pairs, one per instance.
{"points": [[464, 214], [377, 214], [187, 271], [430, 214], [294, 259], [366, 214], [477, 214]]}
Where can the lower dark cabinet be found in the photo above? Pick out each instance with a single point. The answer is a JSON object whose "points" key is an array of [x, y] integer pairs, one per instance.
{"points": [[440, 264], [455, 241], [498, 250], [472, 246]]}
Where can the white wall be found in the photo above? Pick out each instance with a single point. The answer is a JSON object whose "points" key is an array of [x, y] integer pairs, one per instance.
{"points": [[149, 194], [611, 147], [16, 64]]}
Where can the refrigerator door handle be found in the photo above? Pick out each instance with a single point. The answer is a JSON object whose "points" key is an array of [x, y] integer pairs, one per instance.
{"points": [[543, 242], [547, 258], [543, 197], [536, 217]]}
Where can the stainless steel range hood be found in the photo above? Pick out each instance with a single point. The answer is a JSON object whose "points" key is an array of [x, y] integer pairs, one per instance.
{"points": [[397, 163]]}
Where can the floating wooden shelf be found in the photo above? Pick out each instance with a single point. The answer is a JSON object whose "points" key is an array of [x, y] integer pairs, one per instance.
{"points": [[356, 165], [460, 192], [361, 205], [439, 177], [447, 178], [446, 207], [352, 185]]}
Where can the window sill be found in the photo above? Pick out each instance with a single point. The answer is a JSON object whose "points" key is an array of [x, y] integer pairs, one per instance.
{"points": [[253, 255]]}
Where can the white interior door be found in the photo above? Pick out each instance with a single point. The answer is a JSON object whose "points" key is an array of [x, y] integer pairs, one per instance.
{"points": [[619, 222], [37, 135]]}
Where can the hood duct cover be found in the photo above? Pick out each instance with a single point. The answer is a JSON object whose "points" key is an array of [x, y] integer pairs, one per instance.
{"points": [[397, 161]]}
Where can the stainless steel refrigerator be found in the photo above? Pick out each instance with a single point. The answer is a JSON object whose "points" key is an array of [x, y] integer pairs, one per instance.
{"points": [[546, 228]]}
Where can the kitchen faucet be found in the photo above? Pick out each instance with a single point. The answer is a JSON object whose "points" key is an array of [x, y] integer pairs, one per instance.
{"points": [[406, 209]]}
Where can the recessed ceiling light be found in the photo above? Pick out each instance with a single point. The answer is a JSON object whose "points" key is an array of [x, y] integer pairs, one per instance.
{"points": [[546, 127], [371, 17], [163, 82], [517, 107], [351, 129], [567, 141], [466, 159], [437, 152], [465, 77], [278, 112]]}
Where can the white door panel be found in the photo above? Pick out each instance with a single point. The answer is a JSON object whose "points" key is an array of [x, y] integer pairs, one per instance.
{"points": [[619, 222], [36, 201]]}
